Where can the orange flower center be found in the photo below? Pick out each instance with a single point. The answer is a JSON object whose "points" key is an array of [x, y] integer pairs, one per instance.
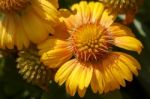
{"points": [[91, 42], [13, 5]]}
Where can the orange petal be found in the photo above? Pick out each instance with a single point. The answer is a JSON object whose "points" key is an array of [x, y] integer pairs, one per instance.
{"points": [[82, 92]]}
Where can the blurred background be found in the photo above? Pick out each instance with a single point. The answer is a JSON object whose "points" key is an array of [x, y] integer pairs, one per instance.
{"points": [[12, 85]]}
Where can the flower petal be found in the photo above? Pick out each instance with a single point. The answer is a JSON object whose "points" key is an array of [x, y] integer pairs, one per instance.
{"points": [[55, 3], [20, 37], [77, 76], [7, 30], [50, 44], [72, 81], [83, 11], [64, 71], [57, 55], [128, 43], [46, 10], [99, 83], [82, 92], [107, 18], [118, 30], [85, 75], [112, 72], [35, 27], [96, 11], [55, 58], [122, 66], [130, 61]]}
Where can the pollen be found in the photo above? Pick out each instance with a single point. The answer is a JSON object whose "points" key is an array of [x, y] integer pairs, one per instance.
{"points": [[91, 42], [13, 5]]}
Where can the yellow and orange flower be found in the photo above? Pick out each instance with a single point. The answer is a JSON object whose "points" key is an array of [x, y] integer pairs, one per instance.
{"points": [[23, 21], [87, 56]]}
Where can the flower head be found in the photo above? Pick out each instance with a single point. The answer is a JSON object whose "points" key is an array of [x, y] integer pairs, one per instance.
{"points": [[128, 7], [87, 56], [25, 21], [13, 5], [120, 5], [32, 69]]}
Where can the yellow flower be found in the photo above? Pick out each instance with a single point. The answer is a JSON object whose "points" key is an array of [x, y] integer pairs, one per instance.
{"points": [[23, 21], [86, 57]]}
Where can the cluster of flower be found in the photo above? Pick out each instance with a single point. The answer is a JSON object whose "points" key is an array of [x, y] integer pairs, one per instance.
{"points": [[73, 46]]}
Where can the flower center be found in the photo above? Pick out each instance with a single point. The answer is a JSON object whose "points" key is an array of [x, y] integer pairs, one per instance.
{"points": [[32, 69], [13, 5], [91, 42]]}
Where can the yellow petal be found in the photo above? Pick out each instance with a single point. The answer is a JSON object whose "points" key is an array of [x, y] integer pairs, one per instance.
{"points": [[57, 52], [55, 58], [46, 10], [119, 78], [82, 12], [110, 81], [96, 11], [128, 43], [124, 70], [107, 18], [36, 28], [130, 61], [72, 81], [89, 73], [50, 44], [7, 31], [121, 66], [64, 71], [55, 3], [118, 30], [21, 39], [85, 75], [99, 77], [82, 78]]}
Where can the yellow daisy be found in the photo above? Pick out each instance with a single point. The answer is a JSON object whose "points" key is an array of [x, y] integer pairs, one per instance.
{"points": [[86, 57], [23, 21]]}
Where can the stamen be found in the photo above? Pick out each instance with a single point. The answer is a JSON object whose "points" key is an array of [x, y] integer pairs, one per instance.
{"points": [[90, 42]]}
